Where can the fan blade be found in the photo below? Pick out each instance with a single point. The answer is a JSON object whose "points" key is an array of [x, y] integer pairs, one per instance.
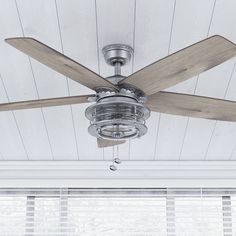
{"points": [[194, 106], [59, 62], [107, 143], [182, 65], [44, 103]]}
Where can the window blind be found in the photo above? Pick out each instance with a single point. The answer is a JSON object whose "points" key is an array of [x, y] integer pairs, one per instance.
{"points": [[136, 212]]}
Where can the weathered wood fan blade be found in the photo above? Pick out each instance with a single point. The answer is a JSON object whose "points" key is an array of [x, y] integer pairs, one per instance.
{"points": [[59, 62], [44, 102], [108, 143], [191, 105], [182, 65]]}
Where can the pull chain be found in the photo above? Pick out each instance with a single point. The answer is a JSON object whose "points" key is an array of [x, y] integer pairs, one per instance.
{"points": [[116, 159]]}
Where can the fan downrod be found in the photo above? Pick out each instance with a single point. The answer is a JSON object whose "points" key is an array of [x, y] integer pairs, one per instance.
{"points": [[117, 55]]}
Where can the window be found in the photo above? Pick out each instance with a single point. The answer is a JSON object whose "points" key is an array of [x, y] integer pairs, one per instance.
{"points": [[136, 212]]}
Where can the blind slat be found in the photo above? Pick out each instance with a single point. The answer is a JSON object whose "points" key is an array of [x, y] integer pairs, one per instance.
{"points": [[165, 211]]}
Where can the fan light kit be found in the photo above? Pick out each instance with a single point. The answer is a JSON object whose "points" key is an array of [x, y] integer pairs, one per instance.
{"points": [[123, 104]]}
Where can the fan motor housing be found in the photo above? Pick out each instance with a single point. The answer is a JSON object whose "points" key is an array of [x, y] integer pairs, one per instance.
{"points": [[121, 114], [118, 115]]}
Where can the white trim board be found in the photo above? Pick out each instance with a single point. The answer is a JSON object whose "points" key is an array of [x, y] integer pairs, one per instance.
{"points": [[129, 174]]}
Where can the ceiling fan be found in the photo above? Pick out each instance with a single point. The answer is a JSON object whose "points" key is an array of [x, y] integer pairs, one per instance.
{"points": [[122, 104]]}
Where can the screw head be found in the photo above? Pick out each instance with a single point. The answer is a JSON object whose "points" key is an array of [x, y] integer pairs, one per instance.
{"points": [[92, 99]]}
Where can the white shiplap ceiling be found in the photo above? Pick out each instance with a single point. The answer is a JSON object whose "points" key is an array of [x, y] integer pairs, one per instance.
{"points": [[80, 28]]}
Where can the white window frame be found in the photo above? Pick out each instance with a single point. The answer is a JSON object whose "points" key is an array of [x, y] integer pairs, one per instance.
{"points": [[139, 174]]}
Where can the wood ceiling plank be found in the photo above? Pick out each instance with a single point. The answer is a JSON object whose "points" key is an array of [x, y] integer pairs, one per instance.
{"points": [[17, 79], [44, 27], [78, 31], [115, 21], [151, 44], [230, 95], [222, 142], [10, 141], [188, 27], [223, 138], [214, 142], [212, 83], [224, 135]]}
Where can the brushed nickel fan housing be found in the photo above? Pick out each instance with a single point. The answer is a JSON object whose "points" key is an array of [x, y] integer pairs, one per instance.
{"points": [[122, 114]]}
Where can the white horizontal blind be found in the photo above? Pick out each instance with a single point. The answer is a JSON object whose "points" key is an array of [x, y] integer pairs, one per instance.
{"points": [[136, 212]]}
